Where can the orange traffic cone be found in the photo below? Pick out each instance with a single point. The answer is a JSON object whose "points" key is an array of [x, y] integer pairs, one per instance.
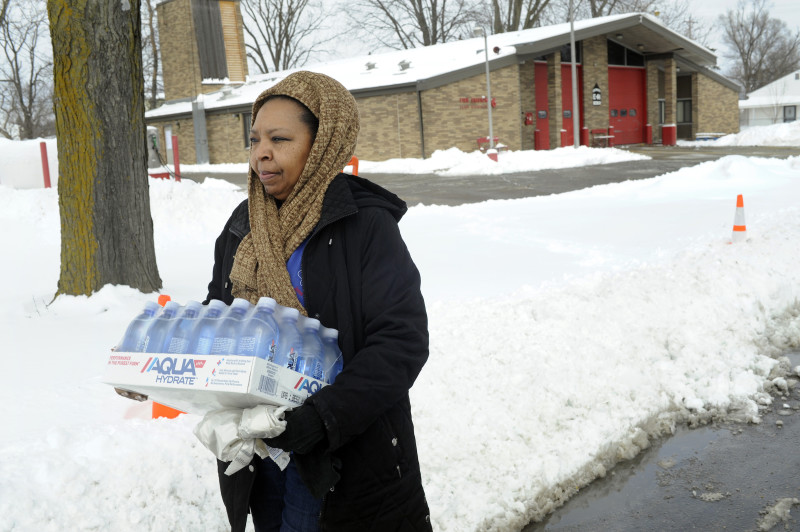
{"points": [[739, 228], [160, 410]]}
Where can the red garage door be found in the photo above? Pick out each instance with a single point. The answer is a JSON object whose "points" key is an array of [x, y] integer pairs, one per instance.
{"points": [[542, 107], [566, 99], [626, 101]]}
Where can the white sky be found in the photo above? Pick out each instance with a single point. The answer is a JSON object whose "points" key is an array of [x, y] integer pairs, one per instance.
{"points": [[709, 10]]}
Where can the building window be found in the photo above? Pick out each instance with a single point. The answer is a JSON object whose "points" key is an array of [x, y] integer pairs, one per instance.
{"points": [[684, 112], [246, 128], [789, 113], [633, 59], [620, 56], [662, 111], [566, 55], [616, 54]]}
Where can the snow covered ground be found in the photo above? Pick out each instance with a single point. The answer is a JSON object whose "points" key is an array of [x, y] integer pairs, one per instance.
{"points": [[566, 331], [454, 162], [787, 134]]}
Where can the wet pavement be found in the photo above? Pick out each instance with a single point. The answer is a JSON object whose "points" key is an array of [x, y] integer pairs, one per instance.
{"points": [[720, 477], [431, 189]]}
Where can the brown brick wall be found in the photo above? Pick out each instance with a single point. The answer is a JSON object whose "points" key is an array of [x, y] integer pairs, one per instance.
{"points": [[717, 107], [235, 54], [527, 101], [178, 45], [554, 89], [389, 127], [178, 51], [226, 139], [185, 132], [670, 91], [595, 72], [450, 121], [652, 81]]}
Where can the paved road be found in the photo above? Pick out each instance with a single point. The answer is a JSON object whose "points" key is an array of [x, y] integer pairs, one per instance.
{"points": [[455, 190], [721, 477]]}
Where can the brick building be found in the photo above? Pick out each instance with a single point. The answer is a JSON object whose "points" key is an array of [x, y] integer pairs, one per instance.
{"points": [[638, 82]]}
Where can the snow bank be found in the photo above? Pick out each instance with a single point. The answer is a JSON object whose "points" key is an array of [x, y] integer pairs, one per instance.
{"points": [[22, 163], [787, 134], [454, 162]]}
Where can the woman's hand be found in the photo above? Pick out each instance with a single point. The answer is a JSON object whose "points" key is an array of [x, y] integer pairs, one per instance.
{"points": [[304, 429]]}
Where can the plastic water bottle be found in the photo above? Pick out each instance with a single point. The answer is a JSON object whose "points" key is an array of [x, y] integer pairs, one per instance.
{"points": [[259, 335], [182, 333], [206, 330], [160, 331], [310, 362], [289, 341], [331, 354], [227, 333], [133, 341]]}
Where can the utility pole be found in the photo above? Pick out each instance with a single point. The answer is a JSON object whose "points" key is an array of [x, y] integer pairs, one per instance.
{"points": [[576, 131]]}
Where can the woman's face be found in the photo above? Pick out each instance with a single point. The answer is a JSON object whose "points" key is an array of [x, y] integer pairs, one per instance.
{"points": [[279, 146]]}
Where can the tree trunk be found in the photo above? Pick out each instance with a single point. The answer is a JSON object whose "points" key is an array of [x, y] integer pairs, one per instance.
{"points": [[103, 193]]}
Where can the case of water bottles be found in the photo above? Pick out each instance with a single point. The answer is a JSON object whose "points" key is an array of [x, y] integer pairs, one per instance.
{"points": [[198, 358]]}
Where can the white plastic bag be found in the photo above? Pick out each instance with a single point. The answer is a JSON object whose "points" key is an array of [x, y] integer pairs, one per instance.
{"points": [[235, 435]]}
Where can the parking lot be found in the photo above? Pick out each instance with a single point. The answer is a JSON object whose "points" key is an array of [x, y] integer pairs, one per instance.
{"points": [[455, 190]]}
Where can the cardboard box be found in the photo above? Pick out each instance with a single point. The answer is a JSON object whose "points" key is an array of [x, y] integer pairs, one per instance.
{"points": [[201, 383]]}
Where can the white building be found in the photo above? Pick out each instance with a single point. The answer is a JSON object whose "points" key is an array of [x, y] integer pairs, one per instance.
{"points": [[774, 103]]}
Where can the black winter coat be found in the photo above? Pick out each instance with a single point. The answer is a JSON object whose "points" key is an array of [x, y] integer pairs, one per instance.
{"points": [[358, 278]]}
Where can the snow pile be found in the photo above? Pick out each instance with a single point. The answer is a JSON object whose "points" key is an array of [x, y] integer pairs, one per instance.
{"points": [[565, 331], [22, 163], [787, 134], [454, 162]]}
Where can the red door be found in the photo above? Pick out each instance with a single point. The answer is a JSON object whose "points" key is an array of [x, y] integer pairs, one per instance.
{"points": [[566, 100], [627, 104], [542, 107]]}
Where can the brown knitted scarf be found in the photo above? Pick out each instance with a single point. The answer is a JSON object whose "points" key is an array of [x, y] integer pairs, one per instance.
{"points": [[259, 267]]}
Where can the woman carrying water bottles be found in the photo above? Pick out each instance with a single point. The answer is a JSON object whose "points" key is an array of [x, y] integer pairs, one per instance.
{"points": [[328, 244]]}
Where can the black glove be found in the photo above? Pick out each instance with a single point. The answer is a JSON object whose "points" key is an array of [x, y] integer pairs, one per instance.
{"points": [[304, 428]]}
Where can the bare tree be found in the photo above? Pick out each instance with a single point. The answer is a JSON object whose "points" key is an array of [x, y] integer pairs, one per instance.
{"points": [[762, 48], [675, 14], [150, 57], [404, 24], [282, 33], [3, 10], [513, 15], [25, 74], [103, 193]]}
